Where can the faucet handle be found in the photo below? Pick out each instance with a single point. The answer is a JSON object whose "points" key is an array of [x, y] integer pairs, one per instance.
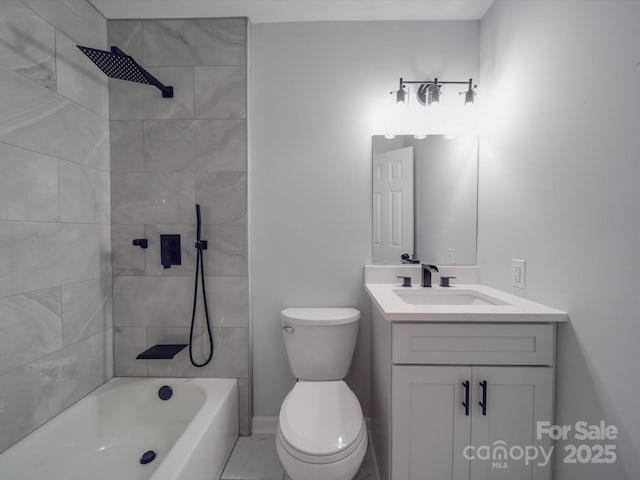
{"points": [[406, 259], [406, 281], [444, 281]]}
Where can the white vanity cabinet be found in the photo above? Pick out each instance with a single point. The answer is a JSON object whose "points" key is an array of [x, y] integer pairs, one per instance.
{"points": [[431, 427], [439, 389]]}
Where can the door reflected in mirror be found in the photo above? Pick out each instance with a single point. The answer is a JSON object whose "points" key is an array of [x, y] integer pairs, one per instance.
{"points": [[425, 194]]}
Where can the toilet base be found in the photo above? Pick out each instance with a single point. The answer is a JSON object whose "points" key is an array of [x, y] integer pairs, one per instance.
{"points": [[343, 469]]}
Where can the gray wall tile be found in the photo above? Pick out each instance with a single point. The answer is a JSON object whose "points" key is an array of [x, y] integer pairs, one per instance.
{"points": [[38, 119], [206, 41], [195, 146], [221, 92], [42, 130], [107, 353], [227, 252], [8, 267], [56, 254], [127, 259], [78, 78], [152, 198], [223, 197], [28, 185], [31, 327], [135, 101], [230, 357], [27, 43], [129, 342], [126, 146], [84, 194], [141, 301], [38, 255], [177, 335], [62, 378], [244, 406], [86, 309], [127, 36], [76, 18], [229, 301]]}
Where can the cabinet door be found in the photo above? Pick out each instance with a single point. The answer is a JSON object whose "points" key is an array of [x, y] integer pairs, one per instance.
{"points": [[516, 399], [430, 426]]}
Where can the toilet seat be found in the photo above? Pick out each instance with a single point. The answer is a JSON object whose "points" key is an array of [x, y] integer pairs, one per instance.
{"points": [[321, 459], [321, 422]]}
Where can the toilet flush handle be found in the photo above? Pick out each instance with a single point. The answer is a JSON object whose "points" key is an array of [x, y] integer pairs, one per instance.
{"points": [[288, 329]]}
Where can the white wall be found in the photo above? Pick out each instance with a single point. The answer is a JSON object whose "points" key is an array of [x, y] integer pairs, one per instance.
{"points": [[317, 93], [559, 176]]}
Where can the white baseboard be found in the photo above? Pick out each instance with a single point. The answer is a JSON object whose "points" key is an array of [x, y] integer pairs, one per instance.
{"points": [[264, 425]]}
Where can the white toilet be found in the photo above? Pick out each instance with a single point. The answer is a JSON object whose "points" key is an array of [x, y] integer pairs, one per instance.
{"points": [[321, 430]]}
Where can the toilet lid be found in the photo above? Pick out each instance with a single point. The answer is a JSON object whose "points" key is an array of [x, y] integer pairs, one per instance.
{"points": [[320, 316], [320, 418]]}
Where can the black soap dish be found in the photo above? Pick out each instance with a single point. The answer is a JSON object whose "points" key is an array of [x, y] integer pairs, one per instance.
{"points": [[161, 352]]}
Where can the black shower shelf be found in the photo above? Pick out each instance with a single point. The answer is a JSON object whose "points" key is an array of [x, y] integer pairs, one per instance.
{"points": [[161, 352]]}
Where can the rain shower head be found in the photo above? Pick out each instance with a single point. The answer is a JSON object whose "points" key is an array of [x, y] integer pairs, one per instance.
{"points": [[117, 64]]}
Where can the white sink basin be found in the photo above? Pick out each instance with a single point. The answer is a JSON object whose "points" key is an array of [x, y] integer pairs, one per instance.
{"points": [[428, 296]]}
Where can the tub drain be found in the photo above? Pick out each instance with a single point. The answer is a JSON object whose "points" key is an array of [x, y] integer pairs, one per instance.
{"points": [[165, 392], [147, 457]]}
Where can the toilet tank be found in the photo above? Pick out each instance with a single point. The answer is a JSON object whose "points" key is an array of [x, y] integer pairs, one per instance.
{"points": [[320, 341]]}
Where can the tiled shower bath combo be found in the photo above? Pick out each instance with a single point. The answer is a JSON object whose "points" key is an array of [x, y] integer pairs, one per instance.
{"points": [[167, 156], [90, 164]]}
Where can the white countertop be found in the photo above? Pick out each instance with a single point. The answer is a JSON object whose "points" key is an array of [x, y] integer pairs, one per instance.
{"points": [[514, 310]]}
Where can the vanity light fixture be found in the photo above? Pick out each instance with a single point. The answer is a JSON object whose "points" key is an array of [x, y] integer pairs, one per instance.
{"points": [[429, 91], [401, 93], [470, 94]]}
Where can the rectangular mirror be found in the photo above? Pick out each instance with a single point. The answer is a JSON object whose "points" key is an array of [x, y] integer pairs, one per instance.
{"points": [[425, 199]]}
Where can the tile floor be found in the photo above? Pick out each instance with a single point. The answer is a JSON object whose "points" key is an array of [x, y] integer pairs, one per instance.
{"points": [[255, 458]]}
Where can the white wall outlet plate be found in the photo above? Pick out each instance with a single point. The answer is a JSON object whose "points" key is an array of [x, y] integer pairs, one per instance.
{"points": [[518, 272]]}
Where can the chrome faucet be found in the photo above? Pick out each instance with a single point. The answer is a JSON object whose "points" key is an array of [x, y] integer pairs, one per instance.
{"points": [[426, 274]]}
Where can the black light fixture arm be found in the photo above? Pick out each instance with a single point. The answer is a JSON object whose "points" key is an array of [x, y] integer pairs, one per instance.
{"points": [[435, 81], [400, 93]]}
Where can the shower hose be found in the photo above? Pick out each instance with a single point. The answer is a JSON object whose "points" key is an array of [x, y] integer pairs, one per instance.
{"points": [[201, 245]]}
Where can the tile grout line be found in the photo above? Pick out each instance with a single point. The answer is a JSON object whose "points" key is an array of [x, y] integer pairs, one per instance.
{"points": [[53, 157]]}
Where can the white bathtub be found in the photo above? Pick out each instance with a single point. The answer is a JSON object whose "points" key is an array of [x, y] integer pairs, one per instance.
{"points": [[103, 436]]}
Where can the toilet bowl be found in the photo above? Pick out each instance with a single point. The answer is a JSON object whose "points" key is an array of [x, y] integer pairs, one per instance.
{"points": [[321, 433]]}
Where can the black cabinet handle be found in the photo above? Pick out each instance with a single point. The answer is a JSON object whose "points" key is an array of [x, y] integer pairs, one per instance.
{"points": [[483, 403], [467, 395]]}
